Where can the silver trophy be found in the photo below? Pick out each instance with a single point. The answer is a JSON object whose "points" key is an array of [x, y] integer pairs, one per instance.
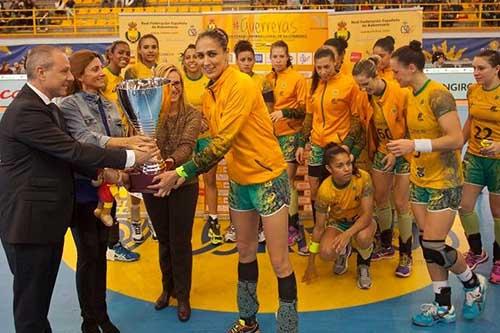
{"points": [[142, 100]]}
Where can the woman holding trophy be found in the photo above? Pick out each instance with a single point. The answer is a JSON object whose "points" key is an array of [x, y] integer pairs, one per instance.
{"points": [[242, 132], [92, 119], [173, 216]]}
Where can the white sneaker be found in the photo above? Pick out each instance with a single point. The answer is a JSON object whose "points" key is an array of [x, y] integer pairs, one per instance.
{"points": [[137, 236], [262, 237], [364, 279], [230, 235]]}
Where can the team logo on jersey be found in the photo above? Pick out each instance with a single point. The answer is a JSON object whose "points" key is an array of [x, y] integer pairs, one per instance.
{"points": [[420, 172], [494, 108], [420, 116], [132, 34]]}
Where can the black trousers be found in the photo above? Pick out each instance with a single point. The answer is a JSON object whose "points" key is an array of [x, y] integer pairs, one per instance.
{"points": [[91, 240], [35, 268], [172, 218], [114, 234]]}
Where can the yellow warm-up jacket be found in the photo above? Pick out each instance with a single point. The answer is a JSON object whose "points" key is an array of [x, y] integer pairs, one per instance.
{"points": [[393, 103], [241, 130], [289, 88]]}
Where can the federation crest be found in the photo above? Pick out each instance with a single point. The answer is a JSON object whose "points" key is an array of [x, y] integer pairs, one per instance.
{"points": [[132, 34], [405, 28], [342, 31], [192, 32]]}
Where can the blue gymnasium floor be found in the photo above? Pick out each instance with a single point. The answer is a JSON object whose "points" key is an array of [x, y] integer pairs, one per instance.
{"points": [[134, 315], [335, 304]]}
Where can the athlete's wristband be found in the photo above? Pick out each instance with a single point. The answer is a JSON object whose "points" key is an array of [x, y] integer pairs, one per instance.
{"points": [[313, 247], [181, 172], [423, 145]]}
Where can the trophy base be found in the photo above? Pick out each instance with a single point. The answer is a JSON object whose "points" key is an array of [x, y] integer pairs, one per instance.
{"points": [[139, 182]]}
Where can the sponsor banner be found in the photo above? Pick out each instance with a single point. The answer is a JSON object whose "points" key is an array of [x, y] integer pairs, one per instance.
{"points": [[457, 80], [459, 49], [303, 31], [362, 29], [9, 87], [174, 32], [17, 53]]}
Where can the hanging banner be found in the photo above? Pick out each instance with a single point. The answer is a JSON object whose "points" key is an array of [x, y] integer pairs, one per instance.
{"points": [[362, 28], [303, 31], [174, 32]]}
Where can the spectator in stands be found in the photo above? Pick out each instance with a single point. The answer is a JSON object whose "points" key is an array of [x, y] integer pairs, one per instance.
{"points": [[438, 59], [5, 68], [18, 68], [107, 4]]}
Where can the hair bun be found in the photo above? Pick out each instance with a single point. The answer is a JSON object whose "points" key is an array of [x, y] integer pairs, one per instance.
{"points": [[391, 39], [415, 45]]}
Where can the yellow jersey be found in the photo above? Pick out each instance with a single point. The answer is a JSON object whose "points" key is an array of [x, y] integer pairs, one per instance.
{"points": [[343, 205], [436, 170], [194, 90], [259, 80], [193, 94], [484, 112], [241, 131], [109, 92], [384, 117], [386, 74], [290, 91], [139, 71]]}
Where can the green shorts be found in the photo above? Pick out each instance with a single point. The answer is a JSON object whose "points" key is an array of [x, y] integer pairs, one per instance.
{"points": [[201, 144], [340, 226], [316, 158], [289, 145], [402, 166], [436, 200], [266, 198], [482, 171]]}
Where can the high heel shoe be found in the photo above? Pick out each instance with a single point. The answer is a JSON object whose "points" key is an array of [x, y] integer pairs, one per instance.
{"points": [[162, 301], [183, 311]]}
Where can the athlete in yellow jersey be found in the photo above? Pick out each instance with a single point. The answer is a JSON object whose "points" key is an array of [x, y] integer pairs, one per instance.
{"points": [[482, 160], [147, 57], [148, 51], [242, 132], [330, 117], [245, 60], [289, 110], [338, 47], [383, 112], [436, 184], [383, 48], [195, 84], [118, 56], [344, 209]]}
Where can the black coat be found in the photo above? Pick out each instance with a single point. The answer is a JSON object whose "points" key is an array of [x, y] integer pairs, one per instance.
{"points": [[37, 161]]}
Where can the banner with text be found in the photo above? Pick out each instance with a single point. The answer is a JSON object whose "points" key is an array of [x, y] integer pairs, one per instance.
{"points": [[174, 32], [303, 31], [362, 29]]}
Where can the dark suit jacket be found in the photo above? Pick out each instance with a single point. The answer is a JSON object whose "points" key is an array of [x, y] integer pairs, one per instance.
{"points": [[37, 160]]}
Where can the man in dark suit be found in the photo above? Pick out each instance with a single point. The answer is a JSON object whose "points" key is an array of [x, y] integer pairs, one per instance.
{"points": [[37, 160]]}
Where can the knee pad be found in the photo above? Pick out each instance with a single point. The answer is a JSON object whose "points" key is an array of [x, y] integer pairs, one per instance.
{"points": [[439, 253]]}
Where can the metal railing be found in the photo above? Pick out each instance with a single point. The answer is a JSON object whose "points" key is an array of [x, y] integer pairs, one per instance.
{"points": [[104, 21]]}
